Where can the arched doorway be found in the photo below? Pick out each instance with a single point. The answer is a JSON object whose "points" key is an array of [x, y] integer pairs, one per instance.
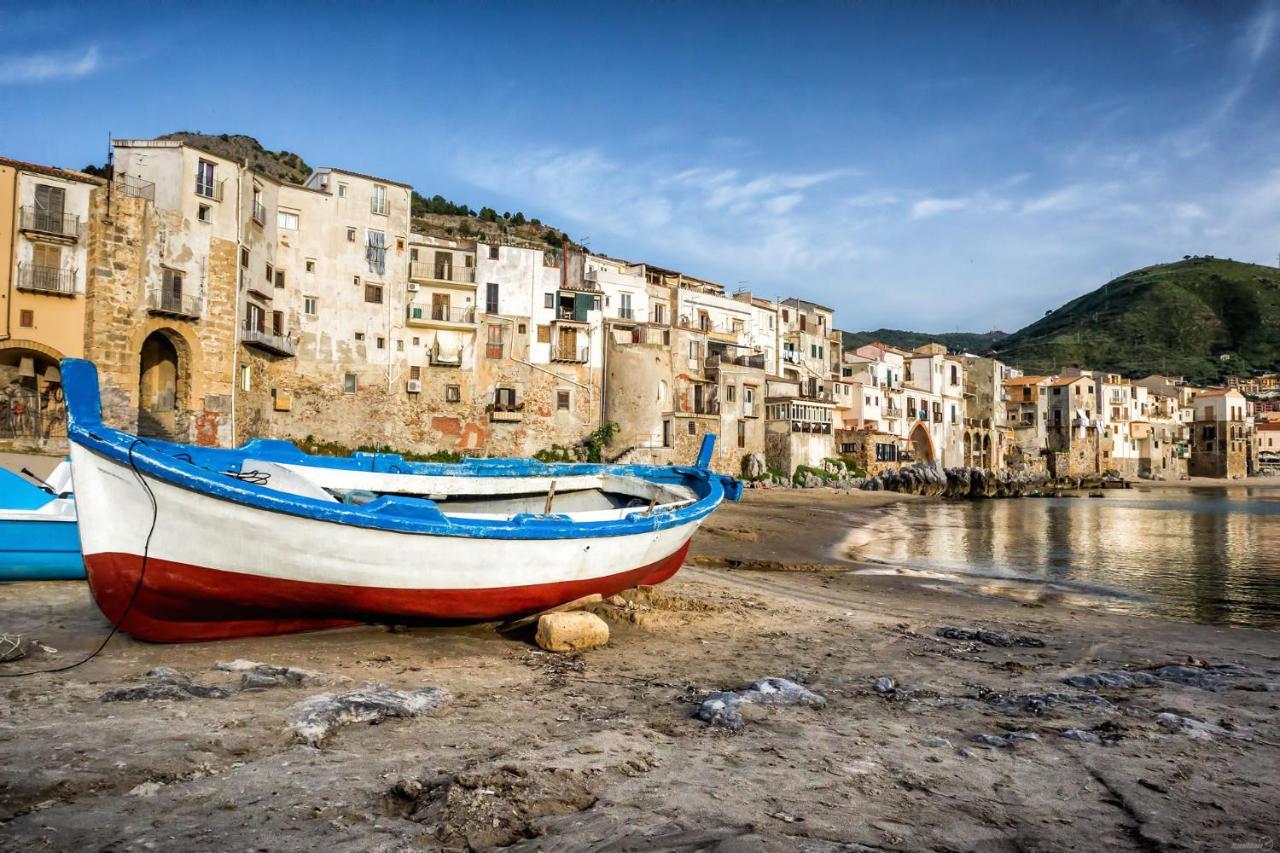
{"points": [[986, 451], [968, 449], [159, 373], [31, 403], [921, 444]]}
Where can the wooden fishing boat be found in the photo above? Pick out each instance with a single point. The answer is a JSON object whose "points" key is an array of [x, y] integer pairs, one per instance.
{"points": [[38, 536], [186, 543]]}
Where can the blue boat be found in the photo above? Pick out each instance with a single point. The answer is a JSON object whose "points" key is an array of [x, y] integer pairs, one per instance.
{"points": [[39, 539]]}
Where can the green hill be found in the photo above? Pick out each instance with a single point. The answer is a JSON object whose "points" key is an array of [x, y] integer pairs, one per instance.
{"points": [[1200, 317], [974, 342]]}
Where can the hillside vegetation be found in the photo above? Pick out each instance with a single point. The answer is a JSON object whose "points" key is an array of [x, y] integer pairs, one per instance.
{"points": [[433, 215], [1201, 318], [974, 342]]}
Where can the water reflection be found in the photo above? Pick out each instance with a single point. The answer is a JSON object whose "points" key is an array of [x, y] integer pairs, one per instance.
{"points": [[1206, 555]]}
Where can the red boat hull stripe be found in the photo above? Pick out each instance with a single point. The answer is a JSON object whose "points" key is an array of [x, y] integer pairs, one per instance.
{"points": [[184, 603]]}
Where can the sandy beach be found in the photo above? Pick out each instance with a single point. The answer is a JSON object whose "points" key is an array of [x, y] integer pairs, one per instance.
{"points": [[603, 751]]}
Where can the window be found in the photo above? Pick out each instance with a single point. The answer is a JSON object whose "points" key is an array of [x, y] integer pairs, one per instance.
{"points": [[373, 293], [452, 393], [277, 323], [351, 235], [171, 292], [379, 202], [624, 310], [279, 278], [244, 257], [399, 345], [355, 279], [375, 252], [359, 336], [270, 274], [544, 334], [342, 190], [493, 345], [46, 257], [562, 401], [382, 342], [522, 329], [202, 213], [666, 433], [491, 297], [204, 179], [287, 220], [349, 383], [416, 340], [27, 318], [662, 390], [742, 434], [259, 210], [730, 393], [659, 312], [311, 265], [310, 306], [415, 372], [693, 428], [493, 253], [548, 300], [255, 318], [245, 378], [504, 399]]}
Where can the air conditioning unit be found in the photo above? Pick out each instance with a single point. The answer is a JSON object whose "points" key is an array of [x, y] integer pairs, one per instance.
{"points": [[413, 287], [413, 386]]}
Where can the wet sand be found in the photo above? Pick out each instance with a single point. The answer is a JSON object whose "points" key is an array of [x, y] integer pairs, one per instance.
{"points": [[602, 751]]}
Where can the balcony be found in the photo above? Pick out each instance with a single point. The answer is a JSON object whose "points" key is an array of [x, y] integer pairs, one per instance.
{"points": [[893, 412], [506, 413], [274, 344], [756, 361], [188, 305], [448, 274], [259, 213], [209, 189], [53, 223], [42, 279], [439, 315], [570, 354], [132, 185]]}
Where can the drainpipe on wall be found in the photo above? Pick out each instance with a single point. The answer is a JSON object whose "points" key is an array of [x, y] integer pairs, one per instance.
{"points": [[235, 320]]}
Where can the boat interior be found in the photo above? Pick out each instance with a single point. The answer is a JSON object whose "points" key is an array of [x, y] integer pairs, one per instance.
{"points": [[581, 497]]}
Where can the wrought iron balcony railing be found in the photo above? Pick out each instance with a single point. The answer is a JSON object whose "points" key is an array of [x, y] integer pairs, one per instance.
{"points": [[42, 279], [50, 222]]}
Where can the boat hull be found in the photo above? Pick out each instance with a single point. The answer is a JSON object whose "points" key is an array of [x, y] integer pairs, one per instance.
{"points": [[217, 569], [40, 550]]}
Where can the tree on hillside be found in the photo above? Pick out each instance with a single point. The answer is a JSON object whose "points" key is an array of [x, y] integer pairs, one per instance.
{"points": [[518, 219], [488, 214]]}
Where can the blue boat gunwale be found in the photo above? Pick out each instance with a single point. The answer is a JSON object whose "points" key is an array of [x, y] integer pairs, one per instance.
{"points": [[163, 461]]}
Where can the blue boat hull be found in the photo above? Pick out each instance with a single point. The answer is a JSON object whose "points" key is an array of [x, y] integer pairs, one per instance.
{"points": [[40, 551]]}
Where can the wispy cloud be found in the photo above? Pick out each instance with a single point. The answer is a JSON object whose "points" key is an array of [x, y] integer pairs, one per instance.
{"points": [[49, 66]]}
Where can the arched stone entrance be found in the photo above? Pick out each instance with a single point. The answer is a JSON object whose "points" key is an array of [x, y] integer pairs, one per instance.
{"points": [[31, 402], [162, 377], [986, 451], [921, 444], [968, 449]]}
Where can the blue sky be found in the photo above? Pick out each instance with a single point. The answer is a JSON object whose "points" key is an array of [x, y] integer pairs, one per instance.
{"points": [[926, 166]]}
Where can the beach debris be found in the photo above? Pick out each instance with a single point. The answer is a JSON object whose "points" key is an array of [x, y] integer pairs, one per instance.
{"points": [[146, 789], [314, 718], [1191, 727], [990, 638], [1037, 704], [1192, 674], [1005, 741], [16, 647], [1081, 735], [571, 631], [936, 742], [262, 676], [723, 707], [480, 810], [885, 685], [1115, 679], [164, 682]]}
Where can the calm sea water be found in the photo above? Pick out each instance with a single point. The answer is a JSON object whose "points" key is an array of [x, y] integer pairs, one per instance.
{"points": [[1204, 555]]}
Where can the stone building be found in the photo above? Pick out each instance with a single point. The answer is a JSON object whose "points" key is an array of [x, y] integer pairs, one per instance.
{"points": [[1219, 439], [1071, 436]]}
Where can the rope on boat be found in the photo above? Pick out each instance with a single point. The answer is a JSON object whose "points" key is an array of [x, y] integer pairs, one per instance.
{"points": [[137, 587]]}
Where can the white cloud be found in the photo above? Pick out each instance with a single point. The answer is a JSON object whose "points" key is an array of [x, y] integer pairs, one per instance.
{"points": [[49, 66], [928, 207]]}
